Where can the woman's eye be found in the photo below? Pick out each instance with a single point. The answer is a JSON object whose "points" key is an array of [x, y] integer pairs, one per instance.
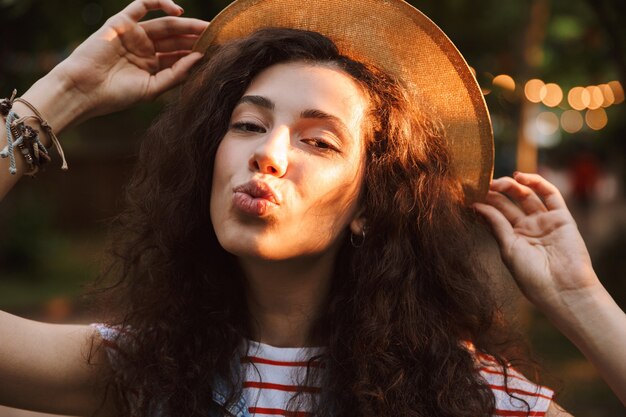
{"points": [[321, 144], [248, 127]]}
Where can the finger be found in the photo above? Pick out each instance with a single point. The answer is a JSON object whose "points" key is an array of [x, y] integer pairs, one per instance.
{"points": [[177, 43], [500, 226], [547, 191], [139, 8], [509, 210], [521, 194], [163, 27], [171, 76]]}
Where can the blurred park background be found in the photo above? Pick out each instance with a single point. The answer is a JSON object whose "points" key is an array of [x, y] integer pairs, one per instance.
{"points": [[552, 72]]}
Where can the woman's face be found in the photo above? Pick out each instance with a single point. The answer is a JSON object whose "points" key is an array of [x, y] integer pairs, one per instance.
{"points": [[289, 169]]}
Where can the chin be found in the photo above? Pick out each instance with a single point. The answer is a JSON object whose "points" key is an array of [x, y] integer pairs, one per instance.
{"points": [[266, 251], [260, 255], [250, 248], [262, 243]]}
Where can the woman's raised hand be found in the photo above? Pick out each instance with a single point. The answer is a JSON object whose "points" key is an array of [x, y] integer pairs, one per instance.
{"points": [[127, 61], [542, 248], [539, 240]]}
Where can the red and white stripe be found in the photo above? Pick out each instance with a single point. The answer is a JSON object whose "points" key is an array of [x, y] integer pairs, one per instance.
{"points": [[514, 393], [272, 376]]}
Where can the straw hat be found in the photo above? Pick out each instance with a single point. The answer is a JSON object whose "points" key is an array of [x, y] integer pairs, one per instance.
{"points": [[399, 39]]}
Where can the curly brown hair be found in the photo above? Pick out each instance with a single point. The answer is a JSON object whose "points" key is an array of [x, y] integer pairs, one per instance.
{"points": [[399, 308]]}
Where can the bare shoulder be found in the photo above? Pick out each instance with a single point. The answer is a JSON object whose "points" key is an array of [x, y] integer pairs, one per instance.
{"points": [[556, 410]]}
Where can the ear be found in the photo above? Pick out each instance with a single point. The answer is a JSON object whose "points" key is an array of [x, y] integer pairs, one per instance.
{"points": [[357, 225]]}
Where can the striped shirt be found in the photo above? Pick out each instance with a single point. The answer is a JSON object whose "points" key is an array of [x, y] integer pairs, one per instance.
{"points": [[273, 375], [514, 394]]}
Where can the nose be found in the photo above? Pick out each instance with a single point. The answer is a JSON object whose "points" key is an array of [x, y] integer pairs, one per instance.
{"points": [[270, 156]]}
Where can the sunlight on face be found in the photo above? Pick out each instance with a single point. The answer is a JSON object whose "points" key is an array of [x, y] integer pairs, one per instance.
{"points": [[288, 171]]}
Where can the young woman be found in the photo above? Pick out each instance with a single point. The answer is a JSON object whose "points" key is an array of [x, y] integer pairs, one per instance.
{"points": [[296, 242]]}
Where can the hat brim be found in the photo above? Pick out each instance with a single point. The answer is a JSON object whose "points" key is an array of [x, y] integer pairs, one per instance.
{"points": [[402, 41]]}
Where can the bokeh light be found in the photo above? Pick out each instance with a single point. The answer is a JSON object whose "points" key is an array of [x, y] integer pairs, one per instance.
{"points": [[571, 121], [618, 91], [485, 81], [553, 95], [578, 98], [608, 98], [596, 119], [596, 98], [504, 81], [535, 90], [547, 123]]}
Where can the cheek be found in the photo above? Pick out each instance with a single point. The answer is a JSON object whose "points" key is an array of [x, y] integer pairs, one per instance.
{"points": [[335, 198]]}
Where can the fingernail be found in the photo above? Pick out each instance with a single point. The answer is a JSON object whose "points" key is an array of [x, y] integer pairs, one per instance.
{"points": [[181, 10], [516, 173]]}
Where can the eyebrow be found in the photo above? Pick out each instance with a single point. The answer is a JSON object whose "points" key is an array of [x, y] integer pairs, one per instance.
{"points": [[266, 103], [259, 101]]}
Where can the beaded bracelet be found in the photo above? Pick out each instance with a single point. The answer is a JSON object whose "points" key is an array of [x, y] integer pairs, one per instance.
{"points": [[26, 138]]}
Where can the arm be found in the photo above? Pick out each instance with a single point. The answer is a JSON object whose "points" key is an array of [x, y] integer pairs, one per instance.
{"points": [[541, 246], [44, 367]]}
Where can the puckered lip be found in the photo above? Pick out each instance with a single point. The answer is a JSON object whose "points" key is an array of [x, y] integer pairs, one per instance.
{"points": [[259, 189]]}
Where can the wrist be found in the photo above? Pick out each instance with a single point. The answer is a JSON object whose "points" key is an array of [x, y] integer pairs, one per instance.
{"points": [[564, 291], [58, 101], [574, 310]]}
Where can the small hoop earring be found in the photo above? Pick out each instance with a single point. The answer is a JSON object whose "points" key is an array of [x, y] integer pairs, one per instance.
{"points": [[359, 240]]}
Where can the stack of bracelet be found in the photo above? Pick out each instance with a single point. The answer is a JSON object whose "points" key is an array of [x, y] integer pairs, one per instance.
{"points": [[25, 138]]}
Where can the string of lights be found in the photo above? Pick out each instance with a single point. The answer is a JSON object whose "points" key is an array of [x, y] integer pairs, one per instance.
{"points": [[569, 111]]}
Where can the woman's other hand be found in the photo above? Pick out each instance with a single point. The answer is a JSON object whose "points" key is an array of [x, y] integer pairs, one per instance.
{"points": [[542, 248], [128, 61], [539, 240]]}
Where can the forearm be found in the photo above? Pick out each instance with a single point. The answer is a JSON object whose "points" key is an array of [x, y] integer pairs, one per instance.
{"points": [[597, 326], [59, 104]]}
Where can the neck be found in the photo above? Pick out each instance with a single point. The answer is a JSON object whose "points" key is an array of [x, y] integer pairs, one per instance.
{"points": [[285, 298]]}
